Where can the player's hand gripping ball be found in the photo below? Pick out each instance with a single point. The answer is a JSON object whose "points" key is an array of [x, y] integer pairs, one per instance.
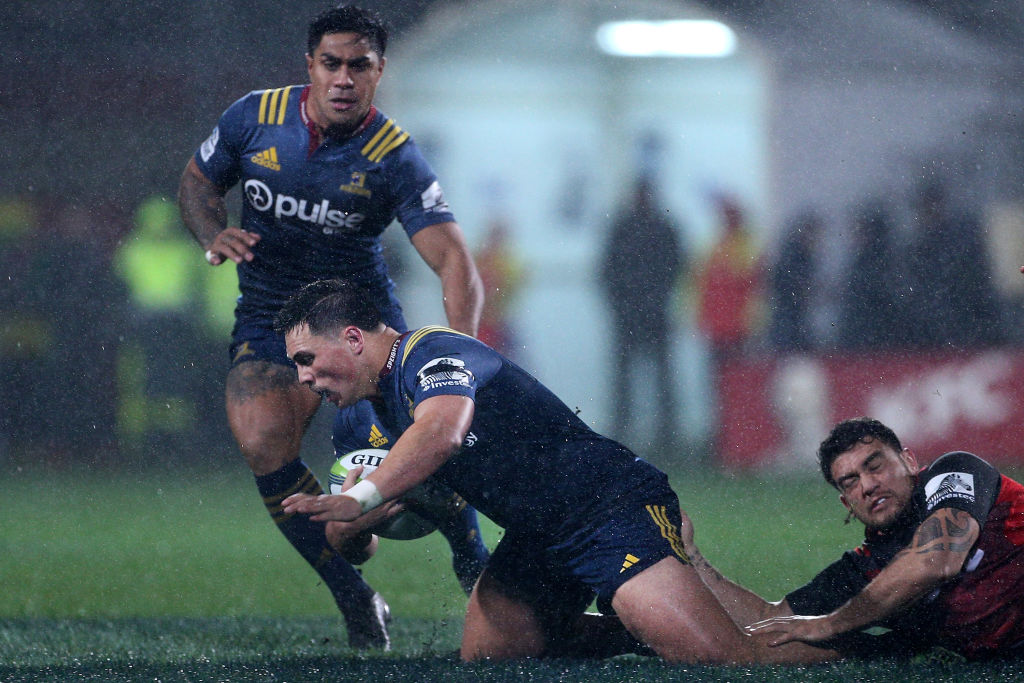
{"points": [[406, 525]]}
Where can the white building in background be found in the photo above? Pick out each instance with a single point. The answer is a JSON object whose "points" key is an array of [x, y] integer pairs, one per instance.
{"points": [[526, 117]]}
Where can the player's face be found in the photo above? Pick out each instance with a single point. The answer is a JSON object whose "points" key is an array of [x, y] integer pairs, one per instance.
{"points": [[327, 364], [344, 72], [876, 482]]}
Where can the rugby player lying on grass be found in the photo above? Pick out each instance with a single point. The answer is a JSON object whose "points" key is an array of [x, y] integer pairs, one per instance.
{"points": [[942, 562], [583, 516]]}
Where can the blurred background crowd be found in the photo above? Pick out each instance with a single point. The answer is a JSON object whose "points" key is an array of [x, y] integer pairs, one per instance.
{"points": [[897, 235]]}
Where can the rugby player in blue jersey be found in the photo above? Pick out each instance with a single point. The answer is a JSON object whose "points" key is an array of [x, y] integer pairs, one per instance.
{"points": [[583, 516], [323, 173]]}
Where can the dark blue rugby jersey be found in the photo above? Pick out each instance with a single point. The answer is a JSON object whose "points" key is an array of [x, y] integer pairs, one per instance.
{"points": [[320, 212], [358, 427], [528, 461]]}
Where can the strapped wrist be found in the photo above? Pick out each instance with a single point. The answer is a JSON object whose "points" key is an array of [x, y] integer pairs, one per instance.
{"points": [[366, 494]]}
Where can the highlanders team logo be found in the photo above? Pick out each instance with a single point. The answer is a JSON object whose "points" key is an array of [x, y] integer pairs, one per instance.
{"points": [[949, 485], [357, 185], [433, 199]]}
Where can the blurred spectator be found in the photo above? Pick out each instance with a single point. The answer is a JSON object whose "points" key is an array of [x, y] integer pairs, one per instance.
{"points": [[871, 305], [642, 263], [157, 394], [502, 275], [791, 285], [729, 287], [955, 300], [729, 308]]}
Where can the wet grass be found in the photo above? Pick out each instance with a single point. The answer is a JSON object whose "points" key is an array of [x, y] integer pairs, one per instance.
{"points": [[160, 574]]}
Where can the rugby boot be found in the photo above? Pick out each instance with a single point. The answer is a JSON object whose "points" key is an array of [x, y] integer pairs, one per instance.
{"points": [[367, 624]]}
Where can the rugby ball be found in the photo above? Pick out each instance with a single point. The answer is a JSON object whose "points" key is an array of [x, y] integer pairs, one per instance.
{"points": [[406, 525]]}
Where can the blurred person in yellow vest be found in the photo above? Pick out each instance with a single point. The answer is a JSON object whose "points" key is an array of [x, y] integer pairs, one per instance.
{"points": [[157, 392], [220, 294]]}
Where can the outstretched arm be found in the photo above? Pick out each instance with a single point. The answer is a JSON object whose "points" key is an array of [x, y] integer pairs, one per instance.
{"points": [[935, 554], [443, 248], [743, 605], [439, 427]]}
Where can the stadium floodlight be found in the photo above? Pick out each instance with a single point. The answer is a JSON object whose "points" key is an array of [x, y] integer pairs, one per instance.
{"points": [[677, 38]]}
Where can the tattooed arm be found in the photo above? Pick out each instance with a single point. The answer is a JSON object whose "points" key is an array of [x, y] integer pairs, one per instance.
{"points": [[205, 214], [935, 555]]}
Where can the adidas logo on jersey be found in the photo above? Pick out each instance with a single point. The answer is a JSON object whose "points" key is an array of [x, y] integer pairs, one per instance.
{"points": [[629, 562], [267, 158], [377, 439]]}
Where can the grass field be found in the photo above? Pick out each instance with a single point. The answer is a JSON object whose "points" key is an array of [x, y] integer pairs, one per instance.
{"points": [[178, 575]]}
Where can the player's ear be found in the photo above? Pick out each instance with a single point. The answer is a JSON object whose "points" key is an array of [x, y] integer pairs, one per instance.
{"points": [[849, 510], [910, 459], [309, 64], [353, 336]]}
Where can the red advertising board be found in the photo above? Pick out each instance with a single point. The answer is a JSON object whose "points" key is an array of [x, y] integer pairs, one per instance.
{"points": [[774, 412]]}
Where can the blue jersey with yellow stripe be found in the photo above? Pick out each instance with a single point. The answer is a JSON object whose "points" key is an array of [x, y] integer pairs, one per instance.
{"points": [[528, 461], [319, 206]]}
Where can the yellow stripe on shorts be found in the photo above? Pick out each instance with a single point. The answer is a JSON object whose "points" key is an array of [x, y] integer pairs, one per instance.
{"points": [[668, 531]]}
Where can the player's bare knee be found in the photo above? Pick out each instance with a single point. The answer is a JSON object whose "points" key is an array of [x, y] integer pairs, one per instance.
{"points": [[498, 626], [268, 412], [265, 449]]}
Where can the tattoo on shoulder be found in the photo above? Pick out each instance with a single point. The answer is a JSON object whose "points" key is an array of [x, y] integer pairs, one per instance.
{"points": [[958, 523], [930, 530], [951, 527]]}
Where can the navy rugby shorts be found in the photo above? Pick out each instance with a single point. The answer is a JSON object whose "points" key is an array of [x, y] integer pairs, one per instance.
{"points": [[637, 530]]}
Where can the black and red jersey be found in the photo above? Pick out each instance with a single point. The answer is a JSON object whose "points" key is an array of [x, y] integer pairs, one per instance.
{"points": [[981, 611]]}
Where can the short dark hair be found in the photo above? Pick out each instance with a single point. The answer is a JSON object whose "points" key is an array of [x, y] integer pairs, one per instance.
{"points": [[349, 19], [846, 435], [326, 306]]}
